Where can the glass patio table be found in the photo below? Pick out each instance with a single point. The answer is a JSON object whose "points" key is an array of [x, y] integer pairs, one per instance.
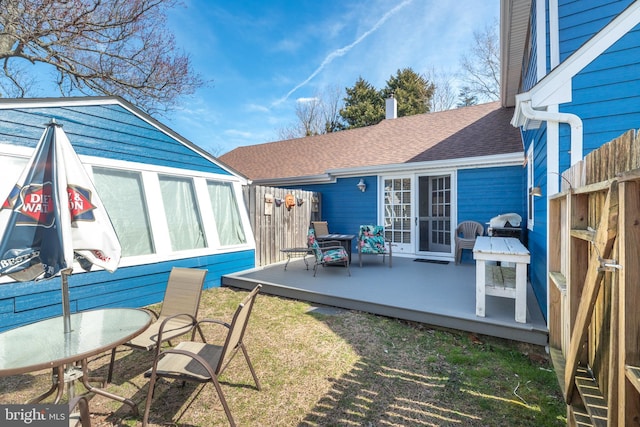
{"points": [[44, 344]]}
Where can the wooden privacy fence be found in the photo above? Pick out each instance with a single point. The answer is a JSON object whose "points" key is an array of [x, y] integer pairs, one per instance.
{"points": [[594, 294], [278, 226]]}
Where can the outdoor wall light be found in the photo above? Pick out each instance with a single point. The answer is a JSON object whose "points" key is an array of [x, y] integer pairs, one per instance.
{"points": [[361, 185], [537, 191]]}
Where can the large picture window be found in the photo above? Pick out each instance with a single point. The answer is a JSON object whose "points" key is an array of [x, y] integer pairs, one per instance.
{"points": [[183, 217], [122, 195], [226, 213]]}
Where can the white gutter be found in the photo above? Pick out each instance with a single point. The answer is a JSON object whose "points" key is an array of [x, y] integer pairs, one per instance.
{"points": [[509, 159], [571, 119]]}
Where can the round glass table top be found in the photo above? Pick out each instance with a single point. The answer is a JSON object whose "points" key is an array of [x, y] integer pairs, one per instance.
{"points": [[44, 344]]}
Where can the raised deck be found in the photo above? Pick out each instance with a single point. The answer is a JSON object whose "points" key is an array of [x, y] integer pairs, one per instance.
{"points": [[441, 295]]}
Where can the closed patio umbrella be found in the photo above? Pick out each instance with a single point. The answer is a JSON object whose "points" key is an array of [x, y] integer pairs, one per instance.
{"points": [[52, 216]]}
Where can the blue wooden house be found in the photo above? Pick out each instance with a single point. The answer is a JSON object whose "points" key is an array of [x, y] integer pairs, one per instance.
{"points": [[419, 176], [171, 203], [570, 68]]}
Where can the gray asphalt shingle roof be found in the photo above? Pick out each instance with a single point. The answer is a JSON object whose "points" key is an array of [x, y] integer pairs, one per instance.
{"points": [[480, 130]]}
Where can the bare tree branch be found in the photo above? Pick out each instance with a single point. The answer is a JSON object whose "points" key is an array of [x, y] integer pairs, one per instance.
{"points": [[444, 96], [115, 47], [481, 65]]}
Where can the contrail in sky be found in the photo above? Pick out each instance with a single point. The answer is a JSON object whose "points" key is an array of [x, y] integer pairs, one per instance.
{"points": [[343, 50]]}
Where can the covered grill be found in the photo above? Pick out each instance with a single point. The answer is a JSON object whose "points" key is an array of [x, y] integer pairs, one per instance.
{"points": [[506, 225]]}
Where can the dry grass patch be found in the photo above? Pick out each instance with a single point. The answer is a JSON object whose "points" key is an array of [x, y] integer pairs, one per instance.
{"points": [[336, 369]]}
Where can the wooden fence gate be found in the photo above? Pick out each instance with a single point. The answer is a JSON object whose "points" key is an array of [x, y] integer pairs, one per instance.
{"points": [[275, 224], [594, 296]]}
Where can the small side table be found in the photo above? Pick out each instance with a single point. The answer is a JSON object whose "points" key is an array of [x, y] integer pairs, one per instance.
{"points": [[292, 251], [500, 281]]}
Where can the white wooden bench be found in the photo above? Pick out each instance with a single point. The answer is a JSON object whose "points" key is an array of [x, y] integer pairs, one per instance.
{"points": [[499, 280]]}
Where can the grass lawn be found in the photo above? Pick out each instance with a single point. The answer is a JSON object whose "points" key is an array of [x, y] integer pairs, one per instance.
{"points": [[320, 366]]}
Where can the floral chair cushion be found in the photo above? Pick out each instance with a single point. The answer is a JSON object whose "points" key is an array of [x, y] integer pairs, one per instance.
{"points": [[313, 244], [326, 256], [371, 239]]}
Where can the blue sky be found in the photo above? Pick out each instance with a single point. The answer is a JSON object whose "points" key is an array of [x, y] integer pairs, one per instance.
{"points": [[262, 56]]}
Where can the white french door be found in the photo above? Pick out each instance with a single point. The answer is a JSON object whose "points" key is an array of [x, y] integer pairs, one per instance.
{"points": [[398, 213], [434, 214]]}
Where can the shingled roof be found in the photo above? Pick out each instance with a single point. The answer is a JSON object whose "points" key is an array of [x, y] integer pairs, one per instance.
{"points": [[479, 130]]}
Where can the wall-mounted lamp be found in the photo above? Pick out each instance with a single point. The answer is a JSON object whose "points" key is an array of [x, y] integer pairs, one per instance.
{"points": [[537, 191], [361, 185]]}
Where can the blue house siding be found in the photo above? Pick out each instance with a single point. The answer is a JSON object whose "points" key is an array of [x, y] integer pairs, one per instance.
{"points": [[137, 286], [578, 21], [108, 131], [487, 192], [106, 128], [605, 95], [529, 73], [537, 238]]}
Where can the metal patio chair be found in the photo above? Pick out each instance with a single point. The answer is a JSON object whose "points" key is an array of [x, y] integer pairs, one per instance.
{"points": [[177, 315], [465, 236], [202, 362], [321, 227], [81, 417], [327, 252], [371, 240]]}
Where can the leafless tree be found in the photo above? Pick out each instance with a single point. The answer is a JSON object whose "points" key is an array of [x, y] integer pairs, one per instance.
{"points": [[444, 96], [331, 104], [317, 115], [115, 47], [481, 65]]}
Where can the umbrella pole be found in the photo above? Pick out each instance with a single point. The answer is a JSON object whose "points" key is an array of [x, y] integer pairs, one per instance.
{"points": [[66, 311]]}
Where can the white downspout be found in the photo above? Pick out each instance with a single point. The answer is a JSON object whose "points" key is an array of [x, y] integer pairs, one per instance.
{"points": [[571, 119]]}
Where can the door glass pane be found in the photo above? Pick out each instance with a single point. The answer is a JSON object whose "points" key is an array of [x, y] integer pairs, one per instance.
{"points": [[183, 217], [434, 194], [122, 195], [397, 209]]}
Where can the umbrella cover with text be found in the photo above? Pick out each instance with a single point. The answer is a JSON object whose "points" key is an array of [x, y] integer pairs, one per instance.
{"points": [[53, 215]]}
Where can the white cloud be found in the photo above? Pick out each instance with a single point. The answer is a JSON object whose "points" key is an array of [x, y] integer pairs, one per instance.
{"points": [[256, 108], [305, 100], [239, 133]]}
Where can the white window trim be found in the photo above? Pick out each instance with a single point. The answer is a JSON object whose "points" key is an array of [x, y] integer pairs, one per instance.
{"points": [[151, 186]]}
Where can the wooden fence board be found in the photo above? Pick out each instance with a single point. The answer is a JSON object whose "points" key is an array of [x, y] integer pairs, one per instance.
{"points": [[275, 227]]}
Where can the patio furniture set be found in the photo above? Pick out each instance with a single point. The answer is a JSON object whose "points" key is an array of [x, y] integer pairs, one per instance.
{"points": [[335, 249], [44, 345]]}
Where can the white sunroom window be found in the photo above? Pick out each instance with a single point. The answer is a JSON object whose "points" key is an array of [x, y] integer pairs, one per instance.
{"points": [[226, 213], [11, 167], [122, 195], [181, 210]]}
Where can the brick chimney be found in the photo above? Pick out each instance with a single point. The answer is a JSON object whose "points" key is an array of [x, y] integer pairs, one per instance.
{"points": [[391, 108]]}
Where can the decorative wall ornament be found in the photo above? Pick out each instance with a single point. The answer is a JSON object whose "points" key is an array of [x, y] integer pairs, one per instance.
{"points": [[289, 201]]}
